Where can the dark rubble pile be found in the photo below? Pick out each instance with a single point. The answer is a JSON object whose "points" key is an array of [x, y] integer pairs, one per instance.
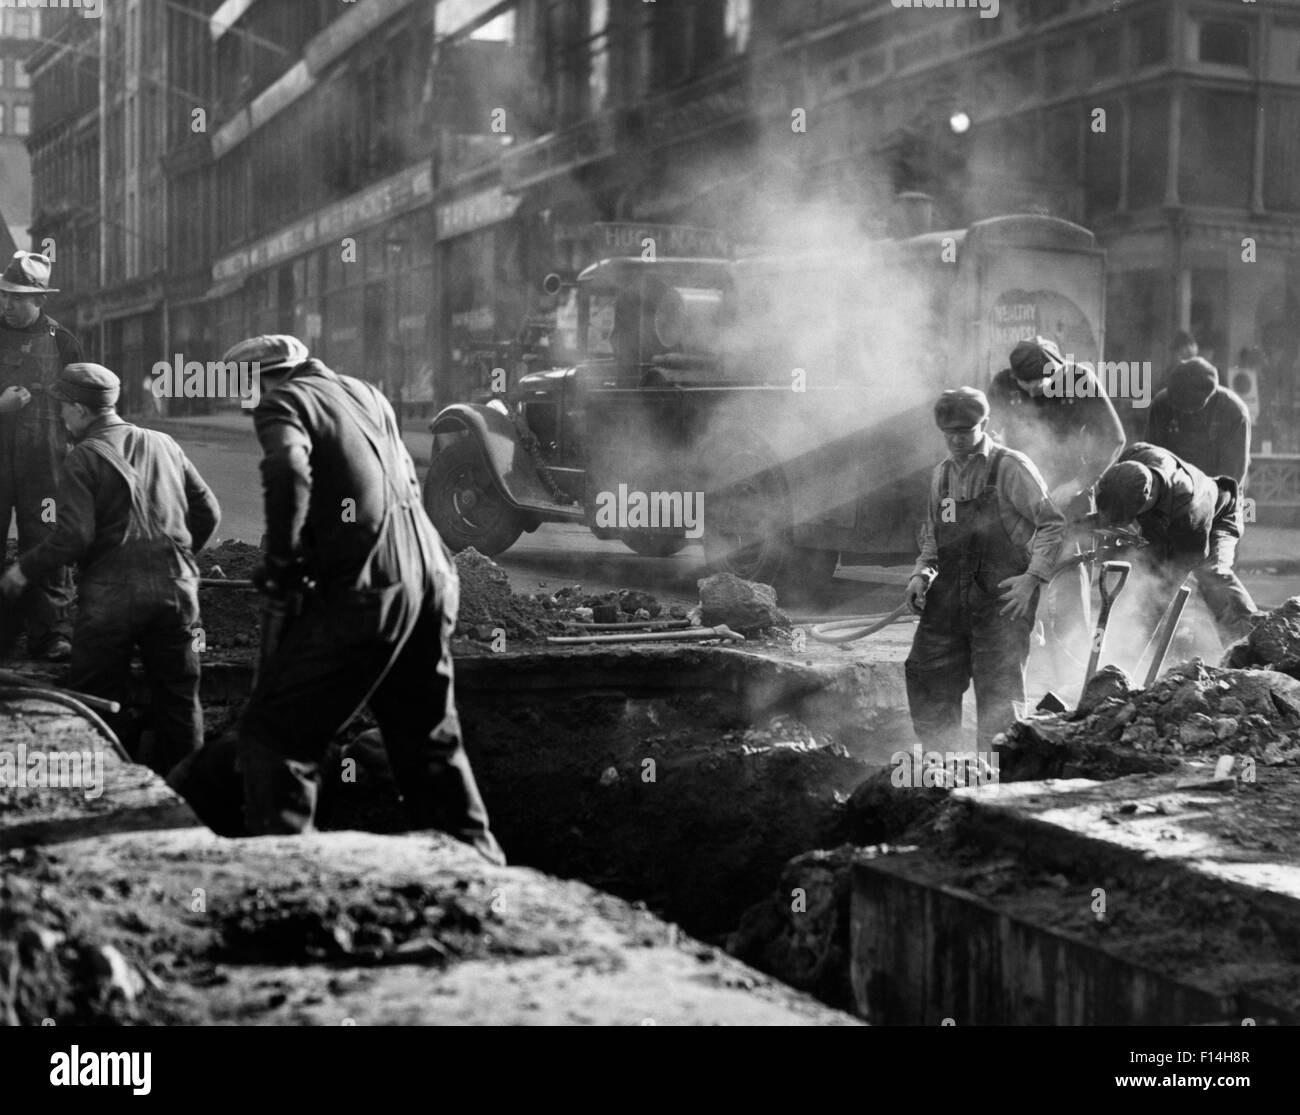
{"points": [[1275, 642], [229, 617], [1193, 711]]}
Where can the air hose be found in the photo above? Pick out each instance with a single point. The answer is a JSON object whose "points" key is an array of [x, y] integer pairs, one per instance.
{"points": [[851, 628], [54, 696]]}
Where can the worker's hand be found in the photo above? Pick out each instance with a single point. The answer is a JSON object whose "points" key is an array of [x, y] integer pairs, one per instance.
{"points": [[1019, 597], [14, 398], [915, 593], [13, 582]]}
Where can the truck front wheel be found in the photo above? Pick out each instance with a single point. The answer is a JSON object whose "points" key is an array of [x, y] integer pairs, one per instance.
{"points": [[747, 525], [464, 504]]}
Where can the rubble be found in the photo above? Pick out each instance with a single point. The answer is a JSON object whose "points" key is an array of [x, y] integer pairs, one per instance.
{"points": [[745, 606], [1193, 710], [1274, 643], [488, 605]]}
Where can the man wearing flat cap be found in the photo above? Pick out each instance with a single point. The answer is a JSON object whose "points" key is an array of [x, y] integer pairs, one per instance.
{"points": [[33, 350], [990, 539], [133, 511], [1199, 420], [1192, 524], [1058, 415], [374, 596]]}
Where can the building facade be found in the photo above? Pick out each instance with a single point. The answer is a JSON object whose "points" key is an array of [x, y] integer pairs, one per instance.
{"points": [[19, 30], [391, 180]]}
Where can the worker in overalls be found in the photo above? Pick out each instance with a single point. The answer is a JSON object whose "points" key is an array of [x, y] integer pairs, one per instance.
{"points": [[34, 348], [374, 596], [990, 539], [133, 511]]}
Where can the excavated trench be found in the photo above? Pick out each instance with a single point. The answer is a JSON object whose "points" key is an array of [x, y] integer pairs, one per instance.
{"points": [[680, 777]]}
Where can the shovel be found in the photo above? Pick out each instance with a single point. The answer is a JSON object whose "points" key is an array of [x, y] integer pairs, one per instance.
{"points": [[1109, 594]]}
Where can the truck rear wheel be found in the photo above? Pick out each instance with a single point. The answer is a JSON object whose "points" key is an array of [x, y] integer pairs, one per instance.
{"points": [[464, 504]]}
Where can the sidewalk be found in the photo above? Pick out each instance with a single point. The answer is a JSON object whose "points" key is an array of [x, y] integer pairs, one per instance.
{"points": [[415, 431]]}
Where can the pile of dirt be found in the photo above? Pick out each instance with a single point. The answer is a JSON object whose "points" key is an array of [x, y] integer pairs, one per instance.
{"points": [[1274, 643], [230, 617], [489, 608], [50, 963], [1193, 711], [354, 921]]}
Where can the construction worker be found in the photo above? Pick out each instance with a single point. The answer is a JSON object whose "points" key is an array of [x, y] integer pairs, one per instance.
{"points": [[1204, 423], [132, 512], [991, 537], [33, 350], [1191, 522], [374, 596], [1058, 415]]}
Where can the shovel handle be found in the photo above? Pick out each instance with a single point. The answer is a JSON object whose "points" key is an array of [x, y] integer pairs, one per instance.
{"points": [[1110, 592]]}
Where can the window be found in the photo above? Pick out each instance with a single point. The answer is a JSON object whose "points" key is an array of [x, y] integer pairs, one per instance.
{"points": [[22, 78], [1104, 52], [2, 70], [1284, 52], [2, 118], [1224, 42], [1217, 145], [1282, 154], [1101, 165], [1148, 149], [736, 25], [1150, 39], [22, 120]]}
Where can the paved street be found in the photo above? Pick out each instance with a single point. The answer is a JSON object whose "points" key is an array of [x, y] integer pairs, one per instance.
{"points": [[558, 554]]}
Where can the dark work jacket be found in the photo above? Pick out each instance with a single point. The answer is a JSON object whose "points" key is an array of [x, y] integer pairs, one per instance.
{"points": [[95, 529], [1064, 437], [1190, 507], [1216, 438], [351, 506], [33, 358]]}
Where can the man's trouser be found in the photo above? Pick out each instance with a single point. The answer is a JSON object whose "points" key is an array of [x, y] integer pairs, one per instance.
{"points": [[962, 638], [29, 469], [390, 649], [157, 617], [1229, 601]]}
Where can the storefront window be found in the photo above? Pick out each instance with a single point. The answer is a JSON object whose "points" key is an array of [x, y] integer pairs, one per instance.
{"points": [[1217, 144]]}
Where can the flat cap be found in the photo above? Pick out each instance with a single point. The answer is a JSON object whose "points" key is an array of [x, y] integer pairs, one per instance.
{"points": [[1123, 490], [961, 408], [90, 384], [271, 352], [1192, 383], [1035, 359]]}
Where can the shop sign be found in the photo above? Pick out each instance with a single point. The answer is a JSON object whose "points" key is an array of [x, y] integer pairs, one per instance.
{"points": [[385, 199], [474, 212]]}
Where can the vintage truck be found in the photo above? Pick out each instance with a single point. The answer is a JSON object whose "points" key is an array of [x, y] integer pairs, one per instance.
{"points": [[778, 406]]}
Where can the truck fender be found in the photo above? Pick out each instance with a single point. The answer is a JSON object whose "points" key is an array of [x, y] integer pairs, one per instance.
{"points": [[508, 462]]}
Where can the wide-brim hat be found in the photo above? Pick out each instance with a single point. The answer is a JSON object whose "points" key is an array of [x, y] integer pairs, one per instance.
{"points": [[27, 273]]}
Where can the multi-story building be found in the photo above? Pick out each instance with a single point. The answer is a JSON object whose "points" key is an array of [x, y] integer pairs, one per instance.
{"points": [[390, 180], [18, 29]]}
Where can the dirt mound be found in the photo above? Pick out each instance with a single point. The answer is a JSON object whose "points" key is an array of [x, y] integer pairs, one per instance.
{"points": [[229, 617], [488, 606], [1275, 642], [1194, 710]]}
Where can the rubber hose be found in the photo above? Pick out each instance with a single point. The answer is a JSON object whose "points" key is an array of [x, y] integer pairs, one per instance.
{"points": [[852, 628], [54, 696]]}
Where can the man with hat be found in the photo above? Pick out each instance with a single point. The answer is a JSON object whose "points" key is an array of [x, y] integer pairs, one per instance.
{"points": [[1190, 521], [1204, 423], [991, 537], [33, 350], [374, 596], [1058, 415], [133, 511]]}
